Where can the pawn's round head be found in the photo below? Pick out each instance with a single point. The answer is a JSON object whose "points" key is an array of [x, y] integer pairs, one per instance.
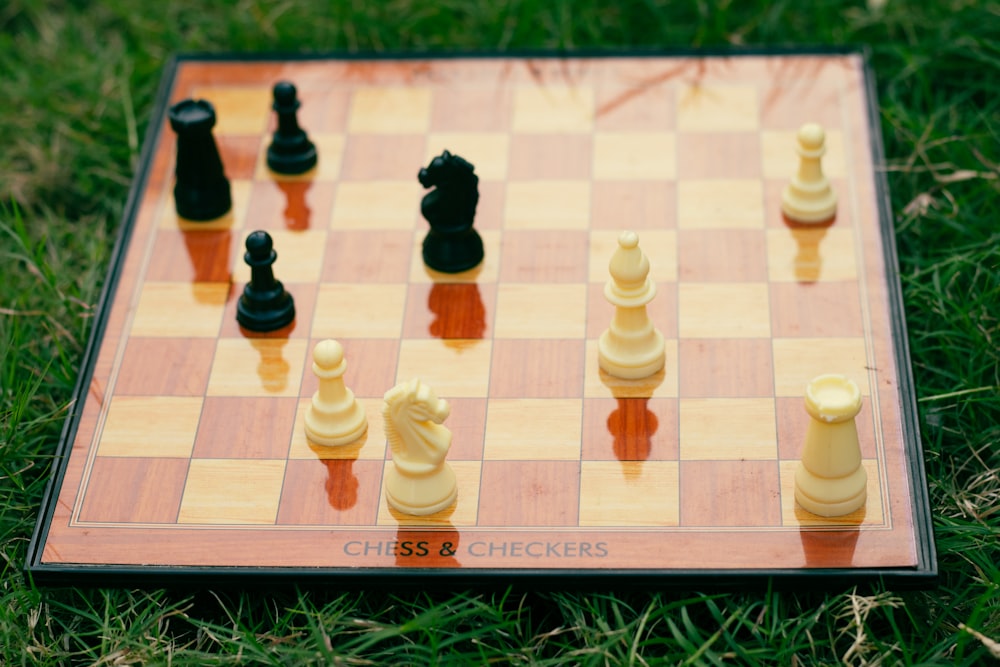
{"points": [[812, 136], [259, 244], [628, 240], [284, 92], [328, 353]]}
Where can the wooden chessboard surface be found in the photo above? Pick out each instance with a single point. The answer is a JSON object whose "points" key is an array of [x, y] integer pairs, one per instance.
{"points": [[186, 458]]}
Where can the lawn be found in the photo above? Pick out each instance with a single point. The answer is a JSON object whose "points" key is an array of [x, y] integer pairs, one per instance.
{"points": [[79, 81]]}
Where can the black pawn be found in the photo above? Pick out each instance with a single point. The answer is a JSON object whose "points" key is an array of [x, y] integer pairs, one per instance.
{"points": [[265, 305], [290, 151], [202, 189]]}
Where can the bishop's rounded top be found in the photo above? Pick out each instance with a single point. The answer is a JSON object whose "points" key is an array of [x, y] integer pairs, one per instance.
{"points": [[328, 354], [629, 266], [192, 114], [811, 136]]}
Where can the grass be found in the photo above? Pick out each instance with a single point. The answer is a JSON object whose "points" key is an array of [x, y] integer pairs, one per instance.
{"points": [[79, 79]]}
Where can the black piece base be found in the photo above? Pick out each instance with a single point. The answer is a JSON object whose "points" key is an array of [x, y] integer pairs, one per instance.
{"points": [[203, 203], [291, 157], [268, 314], [453, 253]]}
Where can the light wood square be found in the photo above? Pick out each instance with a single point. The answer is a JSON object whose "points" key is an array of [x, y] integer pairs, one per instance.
{"points": [[598, 384], [547, 205], [485, 272], [359, 310], [453, 368], [487, 151], [553, 108], [300, 257], [811, 255], [528, 429], [720, 204], [462, 513], [635, 156], [780, 159], [371, 446], [370, 205], [660, 247], [723, 429], [257, 367], [235, 218], [723, 310], [390, 110], [629, 493], [798, 360], [178, 310], [717, 108], [792, 514], [150, 426], [541, 311], [330, 149], [232, 491], [238, 109]]}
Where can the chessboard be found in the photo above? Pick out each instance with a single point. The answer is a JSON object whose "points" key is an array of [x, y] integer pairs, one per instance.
{"points": [[185, 458]]}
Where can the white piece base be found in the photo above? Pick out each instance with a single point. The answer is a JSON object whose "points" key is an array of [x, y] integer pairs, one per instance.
{"points": [[798, 203], [421, 495], [336, 439], [632, 368], [830, 497]]}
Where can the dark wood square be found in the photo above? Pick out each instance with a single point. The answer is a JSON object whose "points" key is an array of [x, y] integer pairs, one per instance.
{"points": [[330, 492], [721, 255], [725, 367], [239, 154], [368, 256], [635, 205], [550, 156], [381, 157], [290, 204], [730, 493], [537, 368], [471, 109], [245, 428], [192, 256], [816, 310], [165, 367], [718, 155], [134, 490], [544, 256], [629, 429], [449, 311], [529, 493]]}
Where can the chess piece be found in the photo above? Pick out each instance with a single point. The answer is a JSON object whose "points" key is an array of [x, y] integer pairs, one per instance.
{"points": [[202, 189], [264, 305], [290, 151], [830, 480], [452, 245], [808, 198], [420, 481], [334, 417], [631, 348]]}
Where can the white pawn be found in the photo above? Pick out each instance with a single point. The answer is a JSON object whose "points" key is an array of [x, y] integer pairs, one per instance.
{"points": [[809, 197], [830, 480], [631, 348], [335, 417]]}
